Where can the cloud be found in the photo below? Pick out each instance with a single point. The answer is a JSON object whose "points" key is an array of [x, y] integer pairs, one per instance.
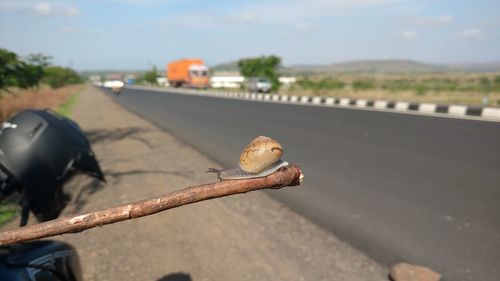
{"points": [[438, 20], [274, 12], [43, 9], [408, 34], [492, 22], [14, 5], [206, 20], [286, 11], [472, 33], [68, 29], [142, 2], [247, 17], [305, 27], [71, 12], [232, 19]]}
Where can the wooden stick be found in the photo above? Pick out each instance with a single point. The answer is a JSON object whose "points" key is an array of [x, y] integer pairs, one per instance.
{"points": [[287, 176]]}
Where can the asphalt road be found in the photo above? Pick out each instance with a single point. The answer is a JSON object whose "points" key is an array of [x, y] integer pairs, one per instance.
{"points": [[400, 187]]}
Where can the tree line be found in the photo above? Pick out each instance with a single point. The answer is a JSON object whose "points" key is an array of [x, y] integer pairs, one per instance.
{"points": [[31, 71]]}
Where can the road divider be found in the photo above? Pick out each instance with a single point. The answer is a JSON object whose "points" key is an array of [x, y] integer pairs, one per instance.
{"points": [[477, 112]]}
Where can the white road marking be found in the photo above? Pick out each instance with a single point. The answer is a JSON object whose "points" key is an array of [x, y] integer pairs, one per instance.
{"points": [[427, 107]]}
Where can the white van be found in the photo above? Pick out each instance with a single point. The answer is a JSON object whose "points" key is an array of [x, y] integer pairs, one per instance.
{"points": [[258, 85]]}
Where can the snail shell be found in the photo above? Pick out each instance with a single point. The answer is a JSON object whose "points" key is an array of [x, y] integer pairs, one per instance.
{"points": [[260, 154], [261, 157]]}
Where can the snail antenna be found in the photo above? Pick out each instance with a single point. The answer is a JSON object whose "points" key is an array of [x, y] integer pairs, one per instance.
{"points": [[213, 170]]}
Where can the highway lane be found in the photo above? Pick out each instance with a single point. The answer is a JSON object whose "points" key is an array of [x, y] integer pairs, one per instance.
{"points": [[399, 187]]}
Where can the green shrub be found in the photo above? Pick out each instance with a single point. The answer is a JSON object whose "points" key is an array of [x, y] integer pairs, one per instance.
{"points": [[364, 84], [496, 80], [65, 108], [397, 85], [7, 212], [323, 84], [150, 76], [420, 89], [485, 85], [57, 76], [440, 84]]}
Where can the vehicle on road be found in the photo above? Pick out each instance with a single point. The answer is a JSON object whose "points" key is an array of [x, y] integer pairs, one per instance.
{"points": [[258, 85], [115, 86], [189, 73]]}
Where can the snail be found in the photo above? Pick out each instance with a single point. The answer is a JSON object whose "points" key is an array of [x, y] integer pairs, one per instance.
{"points": [[261, 157]]}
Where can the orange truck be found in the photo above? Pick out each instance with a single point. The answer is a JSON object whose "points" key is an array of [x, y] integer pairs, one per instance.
{"points": [[191, 73]]}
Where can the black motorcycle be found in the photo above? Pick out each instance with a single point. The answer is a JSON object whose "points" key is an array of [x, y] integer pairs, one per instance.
{"points": [[39, 151]]}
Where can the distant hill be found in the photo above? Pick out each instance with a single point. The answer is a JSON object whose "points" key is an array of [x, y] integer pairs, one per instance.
{"points": [[226, 67], [364, 66], [480, 67], [370, 66]]}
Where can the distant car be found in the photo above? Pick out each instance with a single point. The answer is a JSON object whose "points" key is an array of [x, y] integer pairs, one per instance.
{"points": [[258, 85], [113, 84]]}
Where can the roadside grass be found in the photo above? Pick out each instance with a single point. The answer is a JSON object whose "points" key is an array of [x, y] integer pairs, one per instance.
{"points": [[8, 212], [443, 88], [459, 98], [461, 88], [11, 103], [66, 107], [61, 100]]}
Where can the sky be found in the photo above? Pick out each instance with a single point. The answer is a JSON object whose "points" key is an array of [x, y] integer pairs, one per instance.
{"points": [[137, 34]]}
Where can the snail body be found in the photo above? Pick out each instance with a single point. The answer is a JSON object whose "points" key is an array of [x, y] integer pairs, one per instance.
{"points": [[261, 157]]}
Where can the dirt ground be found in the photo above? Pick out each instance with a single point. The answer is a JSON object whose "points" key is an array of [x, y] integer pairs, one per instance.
{"points": [[242, 237]]}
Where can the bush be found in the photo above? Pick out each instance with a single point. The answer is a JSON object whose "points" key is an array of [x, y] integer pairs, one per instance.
{"points": [[150, 76], [496, 83], [29, 76], [29, 72], [364, 84], [22, 73], [57, 77], [442, 84], [420, 89], [10, 69], [397, 85], [324, 84], [485, 85]]}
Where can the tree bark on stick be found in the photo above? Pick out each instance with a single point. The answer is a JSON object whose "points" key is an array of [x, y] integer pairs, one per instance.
{"points": [[287, 176]]}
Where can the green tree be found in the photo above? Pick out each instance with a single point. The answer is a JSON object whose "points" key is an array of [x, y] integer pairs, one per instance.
{"points": [[150, 76], [26, 73], [30, 71], [57, 76], [9, 68], [39, 60], [34, 71], [261, 67]]}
